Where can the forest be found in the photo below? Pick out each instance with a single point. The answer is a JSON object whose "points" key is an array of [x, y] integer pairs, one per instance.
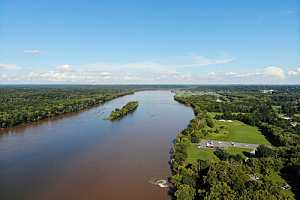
{"points": [[273, 172], [119, 113], [22, 104]]}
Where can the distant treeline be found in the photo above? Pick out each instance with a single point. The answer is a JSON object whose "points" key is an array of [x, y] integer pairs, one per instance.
{"points": [[29, 104], [246, 88]]}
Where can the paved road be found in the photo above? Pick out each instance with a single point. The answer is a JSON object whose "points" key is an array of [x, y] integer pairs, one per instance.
{"points": [[225, 144]]}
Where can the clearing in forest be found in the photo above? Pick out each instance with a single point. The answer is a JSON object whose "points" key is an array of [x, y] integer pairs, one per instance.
{"points": [[237, 131]]}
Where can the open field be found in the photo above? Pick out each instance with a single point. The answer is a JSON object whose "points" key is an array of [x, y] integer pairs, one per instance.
{"points": [[237, 132], [195, 153], [236, 150]]}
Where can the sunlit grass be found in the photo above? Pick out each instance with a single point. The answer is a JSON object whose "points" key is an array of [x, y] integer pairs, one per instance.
{"points": [[195, 153], [237, 132]]}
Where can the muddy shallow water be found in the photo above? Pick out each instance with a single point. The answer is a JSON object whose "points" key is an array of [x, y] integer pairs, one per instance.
{"points": [[83, 156]]}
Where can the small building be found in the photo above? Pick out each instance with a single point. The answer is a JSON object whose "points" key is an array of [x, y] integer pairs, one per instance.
{"points": [[267, 91]]}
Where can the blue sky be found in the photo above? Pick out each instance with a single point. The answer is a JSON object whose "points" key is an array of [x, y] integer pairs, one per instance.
{"points": [[106, 42]]}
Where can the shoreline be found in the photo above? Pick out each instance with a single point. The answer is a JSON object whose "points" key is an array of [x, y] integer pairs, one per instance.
{"points": [[62, 115]]}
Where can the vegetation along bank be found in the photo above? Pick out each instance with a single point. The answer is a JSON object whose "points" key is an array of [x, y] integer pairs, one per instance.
{"points": [[29, 104], [271, 172]]}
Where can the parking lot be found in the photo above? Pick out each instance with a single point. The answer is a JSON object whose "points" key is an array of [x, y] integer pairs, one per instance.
{"points": [[225, 144]]}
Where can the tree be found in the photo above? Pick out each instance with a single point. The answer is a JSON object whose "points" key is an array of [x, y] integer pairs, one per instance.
{"points": [[221, 154], [185, 192], [209, 122], [220, 191], [264, 151]]}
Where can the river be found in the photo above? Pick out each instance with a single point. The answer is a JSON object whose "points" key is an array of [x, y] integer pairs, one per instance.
{"points": [[82, 156]]}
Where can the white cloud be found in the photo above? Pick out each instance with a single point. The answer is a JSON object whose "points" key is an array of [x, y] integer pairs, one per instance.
{"points": [[204, 61], [32, 52], [163, 71], [230, 73], [105, 73], [131, 78], [274, 72], [8, 66], [64, 68], [66, 74], [295, 72], [265, 75], [140, 73], [212, 73]]}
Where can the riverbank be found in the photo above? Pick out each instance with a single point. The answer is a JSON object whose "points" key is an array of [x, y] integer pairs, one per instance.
{"points": [[20, 106]]}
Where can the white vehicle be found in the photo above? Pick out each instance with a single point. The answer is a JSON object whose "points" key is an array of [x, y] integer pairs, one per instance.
{"points": [[210, 144]]}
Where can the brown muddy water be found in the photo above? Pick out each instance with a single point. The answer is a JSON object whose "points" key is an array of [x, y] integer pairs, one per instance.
{"points": [[82, 156]]}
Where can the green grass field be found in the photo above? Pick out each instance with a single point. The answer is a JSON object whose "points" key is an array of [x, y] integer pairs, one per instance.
{"points": [[194, 154], [213, 114], [237, 132], [235, 151], [231, 131], [184, 93]]}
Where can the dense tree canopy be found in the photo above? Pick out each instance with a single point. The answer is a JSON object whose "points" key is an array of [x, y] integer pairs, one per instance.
{"points": [[28, 104], [125, 110]]}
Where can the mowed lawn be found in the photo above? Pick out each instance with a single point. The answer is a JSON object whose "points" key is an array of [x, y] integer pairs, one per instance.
{"points": [[195, 153], [236, 151], [237, 131]]}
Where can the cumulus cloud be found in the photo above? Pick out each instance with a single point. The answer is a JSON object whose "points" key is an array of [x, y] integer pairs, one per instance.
{"points": [[105, 73], [295, 72], [265, 76], [267, 73], [171, 69], [212, 73], [8, 66], [162, 71], [274, 72], [64, 68], [69, 76], [102, 73], [230, 73], [141, 73], [32, 52]]}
